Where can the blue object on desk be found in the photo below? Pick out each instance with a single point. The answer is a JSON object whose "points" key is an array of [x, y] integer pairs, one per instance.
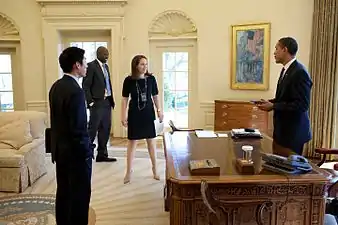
{"points": [[294, 164]]}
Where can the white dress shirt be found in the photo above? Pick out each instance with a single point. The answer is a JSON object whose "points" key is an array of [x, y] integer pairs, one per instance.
{"points": [[101, 65], [286, 67]]}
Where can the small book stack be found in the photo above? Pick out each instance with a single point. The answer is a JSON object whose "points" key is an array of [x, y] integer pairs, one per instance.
{"points": [[204, 167]]}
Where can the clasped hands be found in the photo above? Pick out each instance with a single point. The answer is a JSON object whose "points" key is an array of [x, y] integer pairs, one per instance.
{"points": [[264, 105]]}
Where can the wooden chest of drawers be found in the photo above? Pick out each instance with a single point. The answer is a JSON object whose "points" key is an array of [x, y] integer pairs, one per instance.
{"points": [[239, 114]]}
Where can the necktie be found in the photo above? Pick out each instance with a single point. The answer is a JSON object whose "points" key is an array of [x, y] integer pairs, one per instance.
{"points": [[281, 76], [106, 78]]}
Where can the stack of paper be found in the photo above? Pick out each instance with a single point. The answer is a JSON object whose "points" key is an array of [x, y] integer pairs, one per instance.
{"points": [[159, 127], [242, 131], [205, 134]]}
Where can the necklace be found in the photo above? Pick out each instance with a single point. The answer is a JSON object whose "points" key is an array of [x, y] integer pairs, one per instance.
{"points": [[142, 95]]}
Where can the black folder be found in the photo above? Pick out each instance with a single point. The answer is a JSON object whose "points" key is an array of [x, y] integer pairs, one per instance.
{"points": [[48, 135]]}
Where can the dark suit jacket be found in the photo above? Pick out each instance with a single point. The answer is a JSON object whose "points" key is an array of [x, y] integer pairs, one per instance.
{"points": [[291, 106], [68, 117], [94, 84]]}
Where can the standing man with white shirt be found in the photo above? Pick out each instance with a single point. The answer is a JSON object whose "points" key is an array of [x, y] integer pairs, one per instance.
{"points": [[99, 95], [292, 101], [70, 144]]}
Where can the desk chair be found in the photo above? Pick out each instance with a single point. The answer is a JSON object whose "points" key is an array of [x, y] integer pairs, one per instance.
{"points": [[332, 189]]}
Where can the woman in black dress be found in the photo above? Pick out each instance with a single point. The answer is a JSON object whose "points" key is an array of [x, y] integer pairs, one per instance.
{"points": [[142, 91]]}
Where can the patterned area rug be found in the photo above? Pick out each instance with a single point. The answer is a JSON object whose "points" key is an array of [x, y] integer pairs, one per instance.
{"points": [[31, 210]]}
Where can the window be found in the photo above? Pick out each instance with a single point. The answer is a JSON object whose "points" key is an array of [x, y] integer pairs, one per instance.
{"points": [[6, 84], [90, 48], [175, 72]]}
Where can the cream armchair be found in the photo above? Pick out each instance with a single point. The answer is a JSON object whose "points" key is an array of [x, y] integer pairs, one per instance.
{"points": [[22, 149]]}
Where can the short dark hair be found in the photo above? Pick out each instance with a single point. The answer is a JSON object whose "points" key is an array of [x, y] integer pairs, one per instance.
{"points": [[134, 63], [69, 57], [289, 43]]}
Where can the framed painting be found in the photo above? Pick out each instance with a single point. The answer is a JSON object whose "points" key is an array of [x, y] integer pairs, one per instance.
{"points": [[250, 54]]}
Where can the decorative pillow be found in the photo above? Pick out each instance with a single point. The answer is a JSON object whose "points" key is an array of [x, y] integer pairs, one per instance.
{"points": [[16, 134]]}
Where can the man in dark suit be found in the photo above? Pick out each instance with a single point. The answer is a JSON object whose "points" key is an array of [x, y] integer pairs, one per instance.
{"points": [[292, 100], [70, 144], [100, 100]]}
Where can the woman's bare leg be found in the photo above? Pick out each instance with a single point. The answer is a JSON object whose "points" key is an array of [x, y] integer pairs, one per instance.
{"points": [[151, 144], [130, 156]]}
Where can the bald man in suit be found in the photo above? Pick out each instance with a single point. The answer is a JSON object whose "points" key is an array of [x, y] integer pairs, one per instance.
{"points": [[100, 101]]}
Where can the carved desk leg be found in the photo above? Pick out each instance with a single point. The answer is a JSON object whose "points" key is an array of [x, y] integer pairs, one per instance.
{"points": [[167, 193], [166, 196]]}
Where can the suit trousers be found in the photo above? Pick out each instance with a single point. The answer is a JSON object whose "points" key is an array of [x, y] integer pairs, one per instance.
{"points": [[73, 192], [100, 124]]}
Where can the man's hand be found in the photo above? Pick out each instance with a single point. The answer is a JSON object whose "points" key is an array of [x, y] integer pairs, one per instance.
{"points": [[265, 105]]}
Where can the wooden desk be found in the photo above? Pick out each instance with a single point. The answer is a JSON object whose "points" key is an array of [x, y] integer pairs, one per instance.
{"points": [[296, 199]]}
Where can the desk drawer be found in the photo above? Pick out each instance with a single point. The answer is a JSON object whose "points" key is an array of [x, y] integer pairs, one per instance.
{"points": [[230, 115]]}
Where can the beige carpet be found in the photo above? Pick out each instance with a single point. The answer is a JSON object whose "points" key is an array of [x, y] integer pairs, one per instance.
{"points": [[140, 202]]}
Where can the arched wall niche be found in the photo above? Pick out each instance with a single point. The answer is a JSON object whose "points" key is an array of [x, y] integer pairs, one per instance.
{"points": [[8, 30], [172, 24]]}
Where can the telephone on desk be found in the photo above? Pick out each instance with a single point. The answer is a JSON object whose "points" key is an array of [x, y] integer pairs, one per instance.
{"points": [[294, 164]]}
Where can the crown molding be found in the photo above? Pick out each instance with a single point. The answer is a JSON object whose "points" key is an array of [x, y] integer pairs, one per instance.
{"points": [[82, 2], [82, 8]]}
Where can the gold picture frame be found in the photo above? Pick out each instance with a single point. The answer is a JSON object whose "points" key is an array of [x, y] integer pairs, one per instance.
{"points": [[250, 56]]}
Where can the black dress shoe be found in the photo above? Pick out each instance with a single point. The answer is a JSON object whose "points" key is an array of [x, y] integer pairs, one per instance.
{"points": [[105, 159]]}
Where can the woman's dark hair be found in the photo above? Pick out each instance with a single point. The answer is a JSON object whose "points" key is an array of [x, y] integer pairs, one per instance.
{"points": [[69, 57], [134, 63]]}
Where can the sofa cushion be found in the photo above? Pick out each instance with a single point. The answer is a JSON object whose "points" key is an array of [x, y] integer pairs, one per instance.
{"points": [[16, 134], [9, 159], [4, 146], [37, 120]]}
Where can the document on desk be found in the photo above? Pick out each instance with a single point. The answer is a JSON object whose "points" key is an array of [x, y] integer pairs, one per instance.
{"points": [[222, 135], [205, 134], [159, 127]]}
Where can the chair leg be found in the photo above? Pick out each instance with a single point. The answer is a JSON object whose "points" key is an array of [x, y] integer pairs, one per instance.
{"points": [[322, 161]]}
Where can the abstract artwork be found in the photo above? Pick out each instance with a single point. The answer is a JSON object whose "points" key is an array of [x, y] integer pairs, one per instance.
{"points": [[250, 55]]}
